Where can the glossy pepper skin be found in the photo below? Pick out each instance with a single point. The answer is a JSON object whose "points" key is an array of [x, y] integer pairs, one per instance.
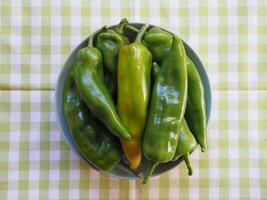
{"points": [[89, 79], [91, 136], [186, 144], [159, 43], [93, 139], [167, 108], [134, 71], [109, 43], [155, 71], [195, 113]]}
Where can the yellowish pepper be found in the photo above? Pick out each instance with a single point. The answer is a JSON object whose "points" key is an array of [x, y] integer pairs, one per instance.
{"points": [[134, 71]]}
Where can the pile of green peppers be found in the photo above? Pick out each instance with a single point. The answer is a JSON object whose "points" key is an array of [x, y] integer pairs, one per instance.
{"points": [[129, 100]]}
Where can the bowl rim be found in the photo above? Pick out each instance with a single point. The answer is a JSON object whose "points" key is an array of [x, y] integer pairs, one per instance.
{"points": [[72, 145]]}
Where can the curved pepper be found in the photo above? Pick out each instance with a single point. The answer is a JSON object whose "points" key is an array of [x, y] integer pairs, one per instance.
{"points": [[90, 82], [92, 138], [167, 108], [159, 43], [186, 144], [195, 113], [186, 141], [109, 43], [134, 70]]}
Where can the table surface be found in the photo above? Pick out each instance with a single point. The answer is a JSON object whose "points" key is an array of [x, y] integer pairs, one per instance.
{"points": [[37, 36]]}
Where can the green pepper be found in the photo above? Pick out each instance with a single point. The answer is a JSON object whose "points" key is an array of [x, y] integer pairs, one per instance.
{"points": [[92, 138], [195, 113], [159, 43], [109, 43], [186, 141], [90, 83], [134, 71], [186, 144], [167, 107]]}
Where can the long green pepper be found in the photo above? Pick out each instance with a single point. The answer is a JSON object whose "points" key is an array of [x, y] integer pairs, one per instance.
{"points": [[89, 79], [159, 43], [167, 108], [195, 113], [94, 141], [186, 142]]}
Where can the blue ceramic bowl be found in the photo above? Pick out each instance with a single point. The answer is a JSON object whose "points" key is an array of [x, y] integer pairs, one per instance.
{"points": [[119, 171]]}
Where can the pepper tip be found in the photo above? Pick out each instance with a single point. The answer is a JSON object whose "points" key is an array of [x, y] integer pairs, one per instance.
{"points": [[190, 172], [144, 181]]}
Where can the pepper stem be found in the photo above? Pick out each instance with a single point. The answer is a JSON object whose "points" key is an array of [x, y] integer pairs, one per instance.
{"points": [[134, 171], [120, 27], [188, 164], [132, 28], [149, 171], [91, 37], [140, 34]]}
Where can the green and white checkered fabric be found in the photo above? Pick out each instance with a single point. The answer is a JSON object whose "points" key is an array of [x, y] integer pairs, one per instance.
{"points": [[37, 36]]}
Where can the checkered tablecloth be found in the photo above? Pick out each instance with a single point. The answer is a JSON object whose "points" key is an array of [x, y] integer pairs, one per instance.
{"points": [[37, 36]]}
